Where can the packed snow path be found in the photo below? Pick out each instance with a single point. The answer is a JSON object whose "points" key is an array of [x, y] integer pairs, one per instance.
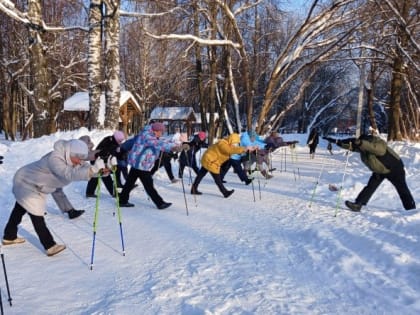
{"points": [[284, 253]]}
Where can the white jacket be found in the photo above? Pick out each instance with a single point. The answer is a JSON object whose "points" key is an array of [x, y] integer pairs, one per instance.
{"points": [[33, 182]]}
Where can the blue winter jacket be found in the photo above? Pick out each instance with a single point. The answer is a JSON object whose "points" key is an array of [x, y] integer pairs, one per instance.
{"points": [[246, 141], [146, 149]]}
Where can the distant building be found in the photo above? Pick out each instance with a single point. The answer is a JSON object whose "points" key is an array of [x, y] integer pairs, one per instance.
{"points": [[75, 113], [176, 119]]}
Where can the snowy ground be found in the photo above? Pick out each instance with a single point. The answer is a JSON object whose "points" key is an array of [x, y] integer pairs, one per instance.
{"points": [[279, 247]]}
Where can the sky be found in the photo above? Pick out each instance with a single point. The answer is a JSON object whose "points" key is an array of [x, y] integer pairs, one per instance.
{"points": [[280, 246]]}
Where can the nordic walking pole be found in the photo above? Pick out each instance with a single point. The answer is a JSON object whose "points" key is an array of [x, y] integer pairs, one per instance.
{"points": [[281, 160], [95, 219], [253, 189], [189, 163], [342, 183], [285, 158], [248, 172], [258, 171], [1, 304], [317, 182], [5, 277], [252, 184], [185, 197], [189, 170], [117, 199]]}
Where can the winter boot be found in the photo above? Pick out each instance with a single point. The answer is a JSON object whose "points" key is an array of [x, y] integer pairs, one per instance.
{"points": [[353, 206], [164, 205], [17, 240], [227, 193], [266, 175], [75, 213], [194, 191], [55, 249], [126, 204]]}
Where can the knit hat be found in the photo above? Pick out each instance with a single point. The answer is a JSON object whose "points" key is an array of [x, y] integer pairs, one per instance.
{"points": [[119, 136], [202, 135], [157, 126], [78, 149]]}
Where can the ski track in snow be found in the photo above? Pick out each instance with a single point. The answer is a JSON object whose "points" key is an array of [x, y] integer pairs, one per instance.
{"points": [[286, 253]]}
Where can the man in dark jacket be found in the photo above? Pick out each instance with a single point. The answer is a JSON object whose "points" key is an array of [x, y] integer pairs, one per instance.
{"points": [[188, 158], [312, 142], [383, 162], [108, 147]]}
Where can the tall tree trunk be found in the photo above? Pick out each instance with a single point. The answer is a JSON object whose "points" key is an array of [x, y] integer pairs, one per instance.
{"points": [[199, 69], [213, 73], [398, 73], [112, 64], [246, 78], [394, 128], [39, 70], [370, 97], [94, 63]]}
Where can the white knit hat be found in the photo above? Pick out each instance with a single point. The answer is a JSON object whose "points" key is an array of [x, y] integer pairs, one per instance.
{"points": [[78, 148]]}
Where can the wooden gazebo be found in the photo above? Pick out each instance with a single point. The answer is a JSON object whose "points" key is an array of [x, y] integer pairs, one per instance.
{"points": [[76, 109]]}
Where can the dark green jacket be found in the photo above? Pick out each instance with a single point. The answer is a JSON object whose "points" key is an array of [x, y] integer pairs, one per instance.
{"points": [[375, 154]]}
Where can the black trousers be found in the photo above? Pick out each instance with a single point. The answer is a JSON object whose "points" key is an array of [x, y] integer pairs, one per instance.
{"points": [[187, 159], [147, 181], [164, 161], [10, 231], [217, 179], [93, 182], [397, 178], [237, 167], [121, 170]]}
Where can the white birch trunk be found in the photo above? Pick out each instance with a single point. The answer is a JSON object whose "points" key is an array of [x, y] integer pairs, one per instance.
{"points": [[39, 70], [94, 63], [112, 63]]}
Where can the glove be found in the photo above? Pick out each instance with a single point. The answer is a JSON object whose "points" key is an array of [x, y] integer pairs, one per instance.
{"points": [[355, 144], [98, 166], [112, 162], [185, 146]]}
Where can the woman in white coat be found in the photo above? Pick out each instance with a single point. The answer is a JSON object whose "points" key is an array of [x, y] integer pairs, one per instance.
{"points": [[33, 182]]}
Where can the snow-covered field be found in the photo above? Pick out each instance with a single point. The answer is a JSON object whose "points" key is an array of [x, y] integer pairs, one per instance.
{"points": [[280, 246]]}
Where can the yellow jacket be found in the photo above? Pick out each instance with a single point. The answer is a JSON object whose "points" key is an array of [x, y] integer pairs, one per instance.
{"points": [[220, 152]]}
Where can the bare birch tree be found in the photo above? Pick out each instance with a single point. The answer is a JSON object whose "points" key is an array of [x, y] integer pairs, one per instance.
{"points": [[318, 38], [95, 62], [112, 63]]}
